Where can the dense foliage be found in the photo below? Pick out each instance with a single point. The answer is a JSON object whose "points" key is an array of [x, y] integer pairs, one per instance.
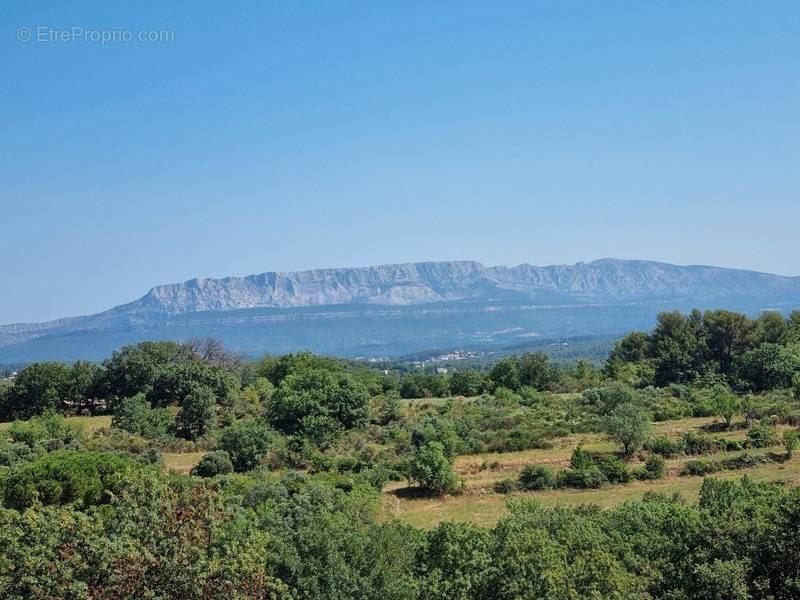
{"points": [[295, 450], [300, 537]]}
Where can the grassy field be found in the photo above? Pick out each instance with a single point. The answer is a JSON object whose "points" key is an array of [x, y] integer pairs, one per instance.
{"points": [[481, 505], [182, 462], [89, 424]]}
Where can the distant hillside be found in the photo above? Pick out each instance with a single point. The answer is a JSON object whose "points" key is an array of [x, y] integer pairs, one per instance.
{"points": [[397, 309]]}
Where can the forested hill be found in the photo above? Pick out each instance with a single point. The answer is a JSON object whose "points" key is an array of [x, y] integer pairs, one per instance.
{"points": [[401, 308]]}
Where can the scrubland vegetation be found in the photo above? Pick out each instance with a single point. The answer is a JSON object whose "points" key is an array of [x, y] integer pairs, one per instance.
{"points": [[179, 471]]}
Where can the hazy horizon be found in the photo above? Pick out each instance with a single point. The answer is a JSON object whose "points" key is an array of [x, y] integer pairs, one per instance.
{"points": [[484, 263]]}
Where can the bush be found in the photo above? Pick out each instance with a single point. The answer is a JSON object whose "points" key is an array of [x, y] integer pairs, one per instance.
{"points": [[655, 467], [432, 470], [48, 426], [587, 478], [580, 459], [213, 463], [14, 453], [697, 443], [505, 486], [698, 467], [791, 439], [762, 436], [537, 477], [81, 478], [609, 397], [246, 442], [613, 469], [664, 446]]}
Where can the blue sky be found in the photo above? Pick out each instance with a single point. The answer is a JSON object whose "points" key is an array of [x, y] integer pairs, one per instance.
{"points": [[292, 135]]}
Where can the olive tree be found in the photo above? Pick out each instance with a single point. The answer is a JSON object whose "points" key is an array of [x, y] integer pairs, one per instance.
{"points": [[629, 425]]}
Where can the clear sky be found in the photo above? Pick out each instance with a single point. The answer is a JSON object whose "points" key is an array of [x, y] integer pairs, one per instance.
{"points": [[292, 135]]}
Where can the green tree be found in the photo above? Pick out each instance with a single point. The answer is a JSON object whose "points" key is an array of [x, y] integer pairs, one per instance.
{"points": [[728, 335], [772, 328], [83, 385], [135, 415], [505, 373], [246, 442], [315, 393], [39, 387], [197, 414], [468, 383], [725, 404], [767, 367], [455, 562], [133, 369], [634, 347], [432, 470], [276, 369], [629, 425], [677, 349], [176, 381], [536, 370]]}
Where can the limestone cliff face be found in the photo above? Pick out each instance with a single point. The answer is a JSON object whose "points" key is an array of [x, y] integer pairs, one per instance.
{"points": [[362, 293], [421, 283]]}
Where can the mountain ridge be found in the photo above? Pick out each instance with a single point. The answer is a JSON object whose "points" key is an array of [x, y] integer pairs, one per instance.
{"points": [[438, 286]]}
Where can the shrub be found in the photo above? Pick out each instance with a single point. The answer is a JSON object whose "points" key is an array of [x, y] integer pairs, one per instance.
{"points": [[655, 467], [246, 442], [152, 456], [48, 426], [586, 478], [698, 467], [791, 439], [505, 486], [697, 443], [213, 463], [742, 461], [607, 398], [580, 459], [664, 446], [613, 469], [432, 470], [762, 436], [14, 453], [81, 478], [537, 477]]}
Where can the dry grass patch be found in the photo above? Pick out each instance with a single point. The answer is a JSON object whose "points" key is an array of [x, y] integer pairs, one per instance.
{"points": [[182, 462], [481, 505]]}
